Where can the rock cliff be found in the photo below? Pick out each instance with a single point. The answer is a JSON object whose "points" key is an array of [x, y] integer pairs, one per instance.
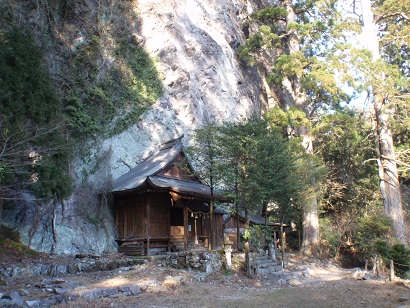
{"points": [[195, 43]]}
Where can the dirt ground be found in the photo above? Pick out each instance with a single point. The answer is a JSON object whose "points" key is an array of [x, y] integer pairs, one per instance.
{"points": [[304, 283]]}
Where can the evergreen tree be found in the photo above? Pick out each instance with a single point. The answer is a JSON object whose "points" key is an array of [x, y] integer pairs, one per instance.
{"points": [[302, 40], [383, 70], [33, 152], [206, 156], [257, 168]]}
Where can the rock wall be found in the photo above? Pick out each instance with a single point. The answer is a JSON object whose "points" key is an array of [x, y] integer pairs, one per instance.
{"points": [[194, 43]]}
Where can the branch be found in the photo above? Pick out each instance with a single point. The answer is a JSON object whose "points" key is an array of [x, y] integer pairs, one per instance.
{"points": [[382, 17]]}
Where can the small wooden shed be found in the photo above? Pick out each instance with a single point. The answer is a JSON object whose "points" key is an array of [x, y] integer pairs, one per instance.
{"points": [[230, 226], [160, 205]]}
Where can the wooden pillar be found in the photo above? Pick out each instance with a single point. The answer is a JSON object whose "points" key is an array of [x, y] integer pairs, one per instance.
{"points": [[147, 224], [185, 228]]}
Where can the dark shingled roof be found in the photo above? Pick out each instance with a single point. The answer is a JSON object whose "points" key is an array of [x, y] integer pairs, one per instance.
{"points": [[256, 219], [146, 174], [182, 187], [137, 176]]}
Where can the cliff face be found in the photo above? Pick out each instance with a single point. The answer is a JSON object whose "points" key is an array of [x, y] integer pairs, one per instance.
{"points": [[193, 43]]}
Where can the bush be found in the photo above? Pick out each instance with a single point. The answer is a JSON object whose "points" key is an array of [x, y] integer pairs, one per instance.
{"points": [[401, 258]]}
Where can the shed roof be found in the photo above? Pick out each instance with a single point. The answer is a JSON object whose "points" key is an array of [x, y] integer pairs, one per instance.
{"points": [[255, 219]]}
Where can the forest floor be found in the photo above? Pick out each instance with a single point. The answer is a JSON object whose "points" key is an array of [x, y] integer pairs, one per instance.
{"points": [[303, 283]]}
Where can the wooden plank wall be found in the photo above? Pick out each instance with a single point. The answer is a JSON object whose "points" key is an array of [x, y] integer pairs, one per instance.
{"points": [[231, 223], [159, 215], [130, 216]]}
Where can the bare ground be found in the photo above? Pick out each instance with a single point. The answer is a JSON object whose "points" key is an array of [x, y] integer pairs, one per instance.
{"points": [[304, 283]]}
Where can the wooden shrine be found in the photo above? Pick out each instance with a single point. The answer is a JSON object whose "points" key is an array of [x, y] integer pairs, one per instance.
{"points": [[160, 205]]}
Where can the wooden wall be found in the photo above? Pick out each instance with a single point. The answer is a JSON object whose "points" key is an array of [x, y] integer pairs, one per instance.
{"points": [[159, 214], [130, 216], [231, 223]]}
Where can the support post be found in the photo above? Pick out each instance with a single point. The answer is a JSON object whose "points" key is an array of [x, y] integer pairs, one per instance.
{"points": [[196, 234], [185, 228], [147, 225]]}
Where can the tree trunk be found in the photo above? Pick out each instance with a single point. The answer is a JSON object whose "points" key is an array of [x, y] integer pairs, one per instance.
{"points": [[294, 95], [310, 242], [238, 233], [211, 221], [246, 245], [389, 180], [54, 226], [282, 241], [1, 209]]}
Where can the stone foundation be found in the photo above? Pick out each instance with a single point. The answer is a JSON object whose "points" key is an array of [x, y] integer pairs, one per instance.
{"points": [[203, 261]]}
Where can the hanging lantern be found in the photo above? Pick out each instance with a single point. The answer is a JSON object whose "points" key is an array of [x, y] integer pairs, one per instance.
{"points": [[192, 214]]}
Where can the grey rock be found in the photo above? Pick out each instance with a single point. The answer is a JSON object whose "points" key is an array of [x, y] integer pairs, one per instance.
{"points": [[5, 302], [108, 292], [125, 290], [61, 291], [33, 303], [15, 298], [24, 292], [135, 290]]}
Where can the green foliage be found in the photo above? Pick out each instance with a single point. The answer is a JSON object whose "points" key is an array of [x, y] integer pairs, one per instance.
{"points": [[25, 88], [311, 48], [370, 230], [345, 142], [330, 237], [117, 100], [285, 121], [400, 255], [206, 154], [258, 166], [31, 122], [288, 65], [54, 180]]}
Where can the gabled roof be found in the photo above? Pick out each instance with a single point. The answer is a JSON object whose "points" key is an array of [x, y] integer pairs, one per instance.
{"points": [[151, 166], [149, 173]]}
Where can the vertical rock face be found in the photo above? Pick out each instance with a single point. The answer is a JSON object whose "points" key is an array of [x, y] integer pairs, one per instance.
{"points": [[195, 44]]}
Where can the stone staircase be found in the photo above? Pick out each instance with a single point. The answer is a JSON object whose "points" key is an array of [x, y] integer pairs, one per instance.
{"points": [[263, 265]]}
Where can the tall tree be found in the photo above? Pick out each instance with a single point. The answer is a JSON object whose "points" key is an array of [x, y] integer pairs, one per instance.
{"points": [[258, 169], [386, 25], [205, 155], [302, 65], [239, 149]]}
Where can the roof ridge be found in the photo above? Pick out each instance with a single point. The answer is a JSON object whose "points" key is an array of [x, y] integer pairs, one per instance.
{"points": [[170, 143]]}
